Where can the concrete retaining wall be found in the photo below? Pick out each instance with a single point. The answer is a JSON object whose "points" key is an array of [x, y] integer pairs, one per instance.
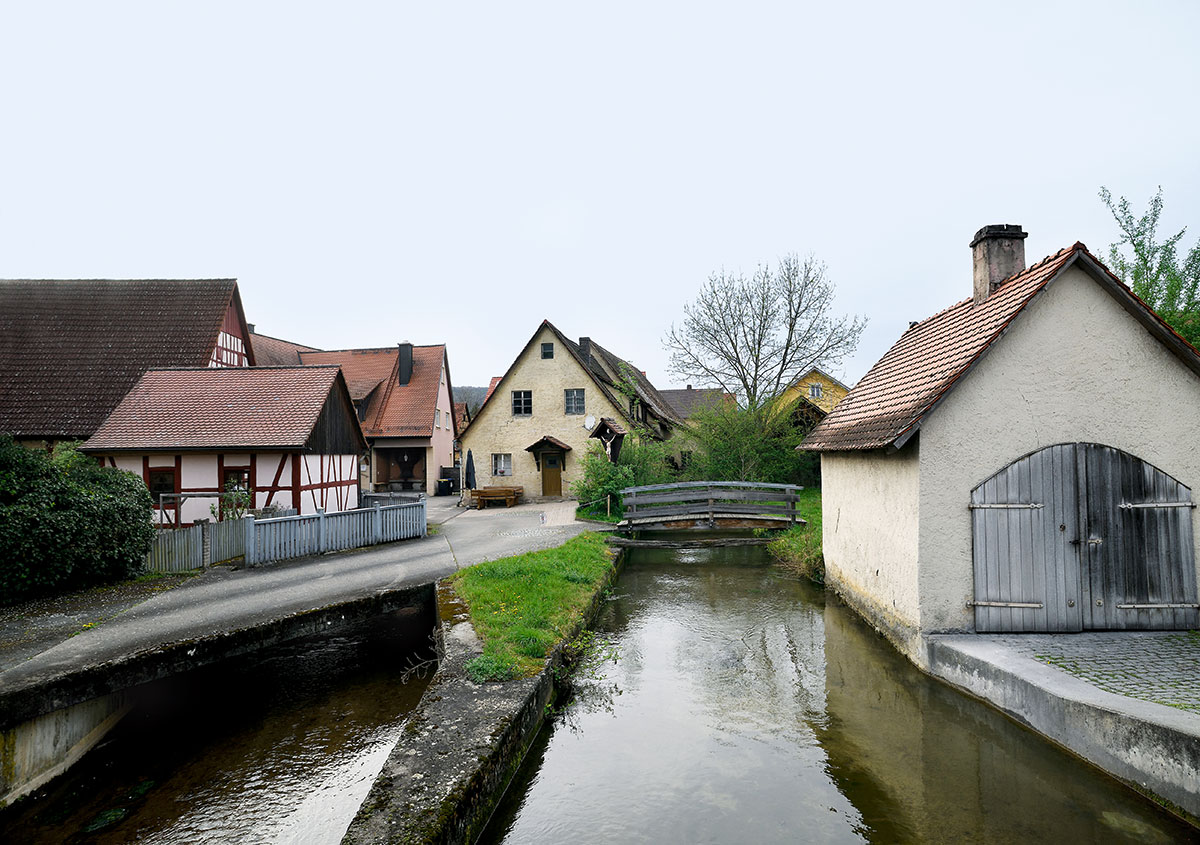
{"points": [[1149, 746], [462, 745]]}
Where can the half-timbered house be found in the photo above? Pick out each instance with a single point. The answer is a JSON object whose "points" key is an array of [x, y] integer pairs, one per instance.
{"points": [[1022, 461], [71, 349], [286, 435]]}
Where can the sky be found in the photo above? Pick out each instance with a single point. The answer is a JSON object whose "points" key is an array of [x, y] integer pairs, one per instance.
{"points": [[373, 173]]}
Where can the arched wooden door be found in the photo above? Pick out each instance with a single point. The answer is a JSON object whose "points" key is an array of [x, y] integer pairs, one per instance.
{"points": [[1082, 536]]}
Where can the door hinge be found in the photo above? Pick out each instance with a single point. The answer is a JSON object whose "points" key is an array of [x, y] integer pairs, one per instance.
{"points": [[1034, 604], [1154, 606], [1125, 506], [1007, 506]]}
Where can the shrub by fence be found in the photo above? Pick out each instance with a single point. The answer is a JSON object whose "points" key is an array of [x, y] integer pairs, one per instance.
{"points": [[284, 538]]}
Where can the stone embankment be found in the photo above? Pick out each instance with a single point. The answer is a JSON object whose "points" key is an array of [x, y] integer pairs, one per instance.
{"points": [[464, 742]]}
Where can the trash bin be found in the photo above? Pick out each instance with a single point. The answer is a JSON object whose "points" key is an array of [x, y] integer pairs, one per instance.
{"points": [[443, 487]]}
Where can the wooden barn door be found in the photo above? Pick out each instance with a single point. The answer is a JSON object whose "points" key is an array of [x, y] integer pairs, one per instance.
{"points": [[1138, 557], [1083, 536], [1023, 521]]}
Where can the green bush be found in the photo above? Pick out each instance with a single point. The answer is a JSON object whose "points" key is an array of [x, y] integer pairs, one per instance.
{"points": [[67, 523], [642, 460], [736, 444]]}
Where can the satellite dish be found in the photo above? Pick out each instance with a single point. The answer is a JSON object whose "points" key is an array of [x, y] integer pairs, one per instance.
{"points": [[589, 422]]}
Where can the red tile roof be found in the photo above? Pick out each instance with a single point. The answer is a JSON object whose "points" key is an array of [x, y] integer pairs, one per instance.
{"points": [[364, 369], [273, 352], [407, 410], [492, 388], [70, 349], [461, 417], [886, 407], [199, 409]]}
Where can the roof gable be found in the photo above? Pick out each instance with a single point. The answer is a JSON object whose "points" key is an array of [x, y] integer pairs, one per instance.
{"points": [[598, 364], [237, 408], [273, 352], [71, 349], [886, 408]]}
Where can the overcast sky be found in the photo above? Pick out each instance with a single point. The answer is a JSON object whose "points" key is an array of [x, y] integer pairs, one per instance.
{"points": [[435, 172]]}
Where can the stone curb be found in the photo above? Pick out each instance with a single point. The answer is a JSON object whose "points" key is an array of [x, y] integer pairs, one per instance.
{"points": [[463, 743]]}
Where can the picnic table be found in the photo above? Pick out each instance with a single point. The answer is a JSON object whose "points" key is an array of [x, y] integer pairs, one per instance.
{"points": [[509, 495]]}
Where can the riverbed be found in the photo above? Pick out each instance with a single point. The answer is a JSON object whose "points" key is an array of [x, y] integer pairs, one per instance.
{"points": [[741, 705]]}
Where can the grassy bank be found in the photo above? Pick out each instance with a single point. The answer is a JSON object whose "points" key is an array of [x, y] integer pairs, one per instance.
{"points": [[523, 606], [799, 548]]}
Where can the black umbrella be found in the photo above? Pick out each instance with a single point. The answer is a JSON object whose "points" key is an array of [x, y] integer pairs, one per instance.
{"points": [[469, 474]]}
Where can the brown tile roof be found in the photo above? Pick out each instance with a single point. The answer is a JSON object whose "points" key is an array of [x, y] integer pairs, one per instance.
{"points": [[688, 401], [189, 409], [491, 388], [407, 410], [70, 349], [364, 369], [273, 352], [887, 406], [461, 416]]}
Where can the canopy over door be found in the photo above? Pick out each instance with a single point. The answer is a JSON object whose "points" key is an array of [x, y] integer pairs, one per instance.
{"points": [[1083, 536]]}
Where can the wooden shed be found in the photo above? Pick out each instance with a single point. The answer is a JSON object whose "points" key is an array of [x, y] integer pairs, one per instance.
{"points": [[1022, 461]]}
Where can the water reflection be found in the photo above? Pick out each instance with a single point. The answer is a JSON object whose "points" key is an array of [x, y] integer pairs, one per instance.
{"points": [[745, 708], [278, 747]]}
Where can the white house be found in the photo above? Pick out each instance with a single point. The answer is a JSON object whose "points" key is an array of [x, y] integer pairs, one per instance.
{"points": [[1022, 461]]}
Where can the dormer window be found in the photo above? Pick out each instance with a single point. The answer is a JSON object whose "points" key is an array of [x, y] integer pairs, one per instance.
{"points": [[814, 391], [547, 350]]}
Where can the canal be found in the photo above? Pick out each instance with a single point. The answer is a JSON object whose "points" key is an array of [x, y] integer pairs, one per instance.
{"points": [[745, 706], [280, 746]]}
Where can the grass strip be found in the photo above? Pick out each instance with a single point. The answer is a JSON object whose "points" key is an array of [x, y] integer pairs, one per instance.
{"points": [[799, 548], [522, 606]]}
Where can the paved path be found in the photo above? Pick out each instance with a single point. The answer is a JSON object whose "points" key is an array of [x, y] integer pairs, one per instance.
{"points": [[224, 599], [1158, 666]]}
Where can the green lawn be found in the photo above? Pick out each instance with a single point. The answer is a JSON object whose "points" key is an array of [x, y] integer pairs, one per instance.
{"points": [[523, 606], [799, 548]]}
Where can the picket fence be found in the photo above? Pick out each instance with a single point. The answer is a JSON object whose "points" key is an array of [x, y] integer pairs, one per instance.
{"points": [[282, 538]]}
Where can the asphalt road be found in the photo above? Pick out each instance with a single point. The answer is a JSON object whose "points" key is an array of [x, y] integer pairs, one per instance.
{"points": [[224, 599]]}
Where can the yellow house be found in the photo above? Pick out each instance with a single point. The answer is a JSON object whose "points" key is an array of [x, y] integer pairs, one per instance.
{"points": [[818, 387], [537, 419]]}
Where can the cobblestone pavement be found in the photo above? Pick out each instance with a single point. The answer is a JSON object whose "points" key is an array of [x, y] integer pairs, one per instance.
{"points": [[1158, 666]]}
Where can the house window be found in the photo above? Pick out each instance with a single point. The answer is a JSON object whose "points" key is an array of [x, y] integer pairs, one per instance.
{"points": [[501, 464], [814, 391], [574, 400], [437, 417], [522, 403], [547, 350], [161, 481], [239, 478]]}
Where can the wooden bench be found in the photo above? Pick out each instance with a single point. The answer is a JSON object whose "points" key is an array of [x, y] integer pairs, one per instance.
{"points": [[509, 495]]}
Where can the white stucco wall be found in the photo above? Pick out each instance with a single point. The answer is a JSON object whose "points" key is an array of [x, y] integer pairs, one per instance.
{"points": [[1074, 367], [441, 445], [869, 518], [497, 430]]}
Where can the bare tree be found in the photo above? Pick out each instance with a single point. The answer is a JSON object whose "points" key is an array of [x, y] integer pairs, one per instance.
{"points": [[753, 337]]}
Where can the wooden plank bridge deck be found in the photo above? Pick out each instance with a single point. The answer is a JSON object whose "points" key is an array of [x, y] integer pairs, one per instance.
{"points": [[710, 503]]}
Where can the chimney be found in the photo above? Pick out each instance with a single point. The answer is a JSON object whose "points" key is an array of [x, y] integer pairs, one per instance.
{"points": [[585, 349], [689, 387], [250, 327], [998, 252], [405, 362]]}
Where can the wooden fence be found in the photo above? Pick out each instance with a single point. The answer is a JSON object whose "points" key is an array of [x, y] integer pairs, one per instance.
{"points": [[709, 500], [284, 538]]}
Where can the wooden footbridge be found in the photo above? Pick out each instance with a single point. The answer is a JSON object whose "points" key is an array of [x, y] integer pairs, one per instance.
{"points": [[710, 505]]}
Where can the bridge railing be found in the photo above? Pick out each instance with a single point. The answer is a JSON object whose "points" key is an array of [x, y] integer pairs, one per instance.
{"points": [[710, 499]]}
